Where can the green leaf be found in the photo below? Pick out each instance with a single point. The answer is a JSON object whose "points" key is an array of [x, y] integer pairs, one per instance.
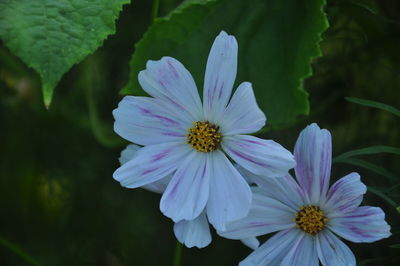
{"points": [[51, 36], [370, 166], [366, 151], [382, 195], [277, 42], [395, 246], [374, 104]]}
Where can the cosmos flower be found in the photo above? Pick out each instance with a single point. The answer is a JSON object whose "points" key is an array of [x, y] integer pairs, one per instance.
{"points": [[308, 215], [192, 140], [193, 233]]}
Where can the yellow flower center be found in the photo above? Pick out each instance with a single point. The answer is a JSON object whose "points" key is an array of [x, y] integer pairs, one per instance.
{"points": [[204, 136], [311, 219]]}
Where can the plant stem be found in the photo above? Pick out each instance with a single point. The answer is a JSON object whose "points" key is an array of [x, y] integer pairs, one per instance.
{"points": [[154, 10], [16, 250], [178, 254]]}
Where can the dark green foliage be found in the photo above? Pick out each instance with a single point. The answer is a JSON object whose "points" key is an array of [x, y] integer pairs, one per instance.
{"points": [[277, 41], [59, 204]]}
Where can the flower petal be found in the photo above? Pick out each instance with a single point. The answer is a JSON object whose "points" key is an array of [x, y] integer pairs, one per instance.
{"points": [[230, 195], [158, 186], [187, 193], [168, 80], [284, 189], [251, 242], [194, 233], [128, 153], [274, 250], [363, 224], [303, 252], [345, 195], [266, 215], [144, 120], [259, 156], [313, 153], [242, 115], [151, 163], [332, 251], [220, 76]]}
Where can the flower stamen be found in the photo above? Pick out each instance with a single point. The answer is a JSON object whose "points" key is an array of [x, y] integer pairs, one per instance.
{"points": [[311, 219], [204, 136]]}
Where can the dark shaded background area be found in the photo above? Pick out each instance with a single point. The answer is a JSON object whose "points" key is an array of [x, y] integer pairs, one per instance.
{"points": [[59, 204]]}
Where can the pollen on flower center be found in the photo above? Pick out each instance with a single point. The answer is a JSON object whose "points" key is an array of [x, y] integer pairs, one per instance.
{"points": [[311, 219], [204, 136]]}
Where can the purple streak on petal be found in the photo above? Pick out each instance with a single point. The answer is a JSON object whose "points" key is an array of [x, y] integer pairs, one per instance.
{"points": [[325, 156], [242, 143], [163, 83], [345, 207], [260, 224], [174, 189], [211, 96], [255, 224], [172, 68], [161, 155], [245, 157], [343, 197], [333, 189], [149, 171], [357, 231], [304, 168], [361, 215], [167, 120], [220, 90], [144, 110], [164, 120], [173, 134], [204, 171], [175, 103], [256, 142]]}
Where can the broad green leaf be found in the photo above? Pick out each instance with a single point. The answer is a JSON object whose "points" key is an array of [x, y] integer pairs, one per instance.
{"points": [[395, 246], [51, 36], [277, 42], [370, 166], [374, 104], [366, 151]]}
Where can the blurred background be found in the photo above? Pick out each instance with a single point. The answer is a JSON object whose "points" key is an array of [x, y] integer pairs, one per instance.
{"points": [[59, 204]]}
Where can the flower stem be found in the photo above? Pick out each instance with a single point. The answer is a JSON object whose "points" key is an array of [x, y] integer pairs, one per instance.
{"points": [[154, 10], [178, 254], [17, 251]]}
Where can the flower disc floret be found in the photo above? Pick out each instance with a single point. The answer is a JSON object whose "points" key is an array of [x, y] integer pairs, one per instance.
{"points": [[311, 219], [204, 136]]}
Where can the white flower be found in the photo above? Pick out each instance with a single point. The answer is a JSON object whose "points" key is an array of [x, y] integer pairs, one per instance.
{"points": [[308, 214], [185, 138]]}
